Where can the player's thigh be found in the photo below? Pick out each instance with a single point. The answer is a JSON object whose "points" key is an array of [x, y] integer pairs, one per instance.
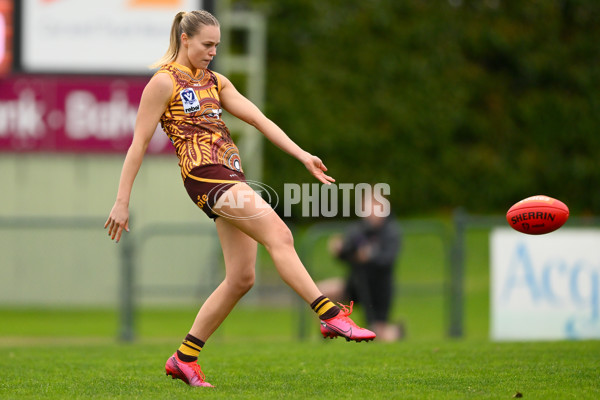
{"points": [[239, 253], [239, 249], [245, 209]]}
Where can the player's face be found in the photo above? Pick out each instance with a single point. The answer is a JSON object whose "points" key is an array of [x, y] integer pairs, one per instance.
{"points": [[202, 47]]}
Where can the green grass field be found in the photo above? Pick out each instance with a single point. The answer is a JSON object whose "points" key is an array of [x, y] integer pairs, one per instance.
{"points": [[255, 354], [275, 367]]}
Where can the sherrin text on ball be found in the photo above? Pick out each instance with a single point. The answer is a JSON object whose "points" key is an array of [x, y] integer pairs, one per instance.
{"points": [[537, 215]]}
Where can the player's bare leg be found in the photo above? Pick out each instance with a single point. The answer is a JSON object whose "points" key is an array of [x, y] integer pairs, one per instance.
{"points": [[239, 208], [239, 252], [245, 209]]}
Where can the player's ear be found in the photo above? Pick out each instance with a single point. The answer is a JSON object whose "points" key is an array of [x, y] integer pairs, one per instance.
{"points": [[184, 39]]}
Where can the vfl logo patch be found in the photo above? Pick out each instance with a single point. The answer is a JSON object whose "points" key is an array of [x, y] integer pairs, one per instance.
{"points": [[189, 100]]}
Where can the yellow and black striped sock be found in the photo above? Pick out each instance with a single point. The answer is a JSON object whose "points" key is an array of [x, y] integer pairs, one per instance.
{"points": [[190, 348], [325, 308]]}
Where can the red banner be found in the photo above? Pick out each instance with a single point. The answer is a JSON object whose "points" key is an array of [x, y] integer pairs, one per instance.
{"points": [[72, 114]]}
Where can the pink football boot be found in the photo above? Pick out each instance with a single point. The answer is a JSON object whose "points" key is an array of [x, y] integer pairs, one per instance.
{"points": [[189, 372], [342, 325]]}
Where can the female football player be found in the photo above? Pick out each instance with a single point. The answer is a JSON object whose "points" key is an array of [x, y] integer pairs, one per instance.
{"points": [[187, 99]]}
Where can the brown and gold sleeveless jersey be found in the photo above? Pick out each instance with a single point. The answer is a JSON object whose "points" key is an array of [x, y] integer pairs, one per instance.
{"points": [[193, 121]]}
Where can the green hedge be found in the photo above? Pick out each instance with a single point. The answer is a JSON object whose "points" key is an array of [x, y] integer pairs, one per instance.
{"points": [[454, 103]]}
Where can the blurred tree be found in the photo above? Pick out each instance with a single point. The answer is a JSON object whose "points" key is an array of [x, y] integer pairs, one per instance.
{"points": [[474, 103]]}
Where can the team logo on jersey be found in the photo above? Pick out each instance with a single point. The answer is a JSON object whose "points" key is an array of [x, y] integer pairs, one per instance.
{"points": [[213, 113], [233, 160], [189, 100]]}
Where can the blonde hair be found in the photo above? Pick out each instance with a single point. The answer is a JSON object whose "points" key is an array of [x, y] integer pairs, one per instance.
{"points": [[185, 22]]}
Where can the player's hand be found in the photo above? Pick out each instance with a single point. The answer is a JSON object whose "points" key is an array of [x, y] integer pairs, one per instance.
{"points": [[316, 167], [117, 221]]}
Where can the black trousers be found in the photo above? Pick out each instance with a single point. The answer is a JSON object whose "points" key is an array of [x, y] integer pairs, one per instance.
{"points": [[373, 289]]}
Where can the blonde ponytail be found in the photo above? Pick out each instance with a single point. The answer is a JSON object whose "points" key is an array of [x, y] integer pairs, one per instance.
{"points": [[184, 22]]}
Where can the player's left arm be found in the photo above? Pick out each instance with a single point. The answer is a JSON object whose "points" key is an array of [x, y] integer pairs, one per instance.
{"points": [[240, 107]]}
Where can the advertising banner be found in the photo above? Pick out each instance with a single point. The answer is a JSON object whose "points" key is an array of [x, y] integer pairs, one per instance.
{"points": [[72, 114], [545, 287], [108, 36]]}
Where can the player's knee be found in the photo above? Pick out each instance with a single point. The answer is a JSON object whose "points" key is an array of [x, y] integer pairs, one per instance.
{"points": [[283, 236], [277, 238], [242, 282]]}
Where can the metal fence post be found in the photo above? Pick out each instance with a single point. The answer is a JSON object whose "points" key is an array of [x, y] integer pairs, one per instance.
{"points": [[457, 273], [127, 250]]}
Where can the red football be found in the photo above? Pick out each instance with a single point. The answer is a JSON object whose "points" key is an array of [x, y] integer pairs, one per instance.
{"points": [[537, 215]]}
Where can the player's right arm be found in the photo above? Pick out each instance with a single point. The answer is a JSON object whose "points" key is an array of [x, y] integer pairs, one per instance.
{"points": [[155, 99]]}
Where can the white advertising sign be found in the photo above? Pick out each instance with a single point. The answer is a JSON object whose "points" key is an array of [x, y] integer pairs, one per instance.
{"points": [[108, 36], [545, 287]]}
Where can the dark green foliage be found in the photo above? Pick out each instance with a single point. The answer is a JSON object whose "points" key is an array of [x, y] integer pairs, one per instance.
{"points": [[478, 104]]}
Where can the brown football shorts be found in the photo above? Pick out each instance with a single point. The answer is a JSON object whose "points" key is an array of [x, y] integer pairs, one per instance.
{"points": [[206, 183]]}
